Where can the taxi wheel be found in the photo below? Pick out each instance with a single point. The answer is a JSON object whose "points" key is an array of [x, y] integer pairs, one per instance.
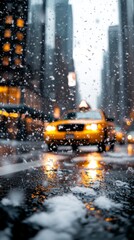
{"points": [[101, 147], [74, 148], [52, 147], [112, 145]]}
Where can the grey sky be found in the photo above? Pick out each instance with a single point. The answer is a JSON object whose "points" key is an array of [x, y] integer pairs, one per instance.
{"points": [[91, 21]]}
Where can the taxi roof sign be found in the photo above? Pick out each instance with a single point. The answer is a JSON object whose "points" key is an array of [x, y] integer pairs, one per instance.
{"points": [[84, 105]]}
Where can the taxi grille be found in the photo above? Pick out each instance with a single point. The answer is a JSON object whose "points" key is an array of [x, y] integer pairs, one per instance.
{"points": [[70, 127]]}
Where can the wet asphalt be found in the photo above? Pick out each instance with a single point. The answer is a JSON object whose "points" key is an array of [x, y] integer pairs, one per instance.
{"points": [[107, 174]]}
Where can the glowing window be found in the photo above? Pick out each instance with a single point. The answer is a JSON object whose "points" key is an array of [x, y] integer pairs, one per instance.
{"points": [[20, 22], [5, 61], [7, 33], [18, 49], [9, 19], [6, 47], [19, 36]]}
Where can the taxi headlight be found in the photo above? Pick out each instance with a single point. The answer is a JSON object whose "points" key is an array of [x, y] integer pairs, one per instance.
{"points": [[92, 127], [50, 128]]}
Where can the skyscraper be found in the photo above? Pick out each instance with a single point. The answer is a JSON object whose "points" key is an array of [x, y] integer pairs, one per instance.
{"points": [[126, 17], [114, 84], [59, 53]]}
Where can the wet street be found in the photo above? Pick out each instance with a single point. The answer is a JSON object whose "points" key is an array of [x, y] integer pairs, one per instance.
{"points": [[66, 195]]}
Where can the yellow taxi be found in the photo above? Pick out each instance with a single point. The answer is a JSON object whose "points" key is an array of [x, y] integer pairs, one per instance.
{"points": [[79, 128]]}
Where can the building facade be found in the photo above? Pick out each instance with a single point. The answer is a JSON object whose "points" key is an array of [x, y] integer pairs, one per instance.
{"points": [[18, 81], [59, 55], [110, 75], [114, 81], [126, 18]]}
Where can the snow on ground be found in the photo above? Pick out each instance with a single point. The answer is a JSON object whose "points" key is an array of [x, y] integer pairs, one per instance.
{"points": [[83, 190], [5, 235], [14, 198], [96, 185], [63, 215], [105, 203], [50, 235], [119, 183]]}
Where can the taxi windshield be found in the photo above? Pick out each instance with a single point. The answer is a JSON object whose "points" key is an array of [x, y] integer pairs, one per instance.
{"points": [[92, 115]]}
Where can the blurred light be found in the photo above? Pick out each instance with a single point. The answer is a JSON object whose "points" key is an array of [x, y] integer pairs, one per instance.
{"points": [[92, 127], [20, 22], [9, 19], [6, 47], [4, 113], [14, 115], [18, 49], [56, 112], [129, 137], [128, 122], [71, 79], [93, 161], [17, 61], [19, 36], [50, 128], [130, 150], [7, 33], [5, 61]]}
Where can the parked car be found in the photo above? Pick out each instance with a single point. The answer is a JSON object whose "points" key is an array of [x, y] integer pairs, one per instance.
{"points": [[75, 128]]}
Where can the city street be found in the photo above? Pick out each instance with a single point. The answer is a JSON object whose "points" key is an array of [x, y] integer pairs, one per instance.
{"points": [[64, 195]]}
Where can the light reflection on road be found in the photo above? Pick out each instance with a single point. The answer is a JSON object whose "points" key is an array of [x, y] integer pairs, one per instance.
{"points": [[90, 168], [130, 149]]}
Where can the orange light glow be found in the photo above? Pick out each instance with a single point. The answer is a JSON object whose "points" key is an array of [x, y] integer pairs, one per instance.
{"points": [[6, 47], [19, 36], [94, 169], [18, 49], [50, 163], [9, 19], [7, 33], [130, 149], [20, 22], [5, 61], [10, 95]]}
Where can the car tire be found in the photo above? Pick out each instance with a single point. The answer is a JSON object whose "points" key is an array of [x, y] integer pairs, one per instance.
{"points": [[74, 148], [101, 147], [112, 146], [52, 147]]}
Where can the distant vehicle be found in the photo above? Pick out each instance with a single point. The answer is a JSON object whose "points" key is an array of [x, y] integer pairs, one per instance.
{"points": [[130, 137], [19, 122], [78, 128], [120, 135]]}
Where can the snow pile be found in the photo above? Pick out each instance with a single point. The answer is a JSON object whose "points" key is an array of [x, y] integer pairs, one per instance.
{"points": [[83, 190], [51, 235], [15, 198], [119, 183], [5, 234], [96, 185], [130, 170], [105, 203], [62, 219]]}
